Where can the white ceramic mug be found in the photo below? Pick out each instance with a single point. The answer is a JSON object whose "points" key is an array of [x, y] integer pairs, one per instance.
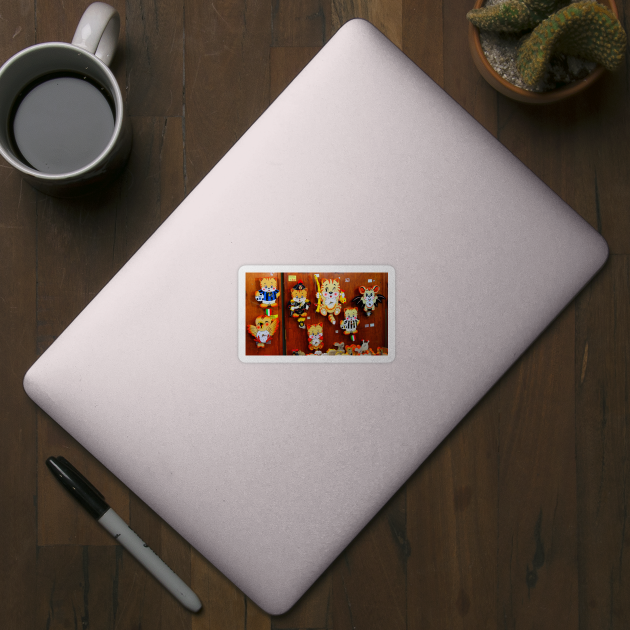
{"points": [[88, 58]]}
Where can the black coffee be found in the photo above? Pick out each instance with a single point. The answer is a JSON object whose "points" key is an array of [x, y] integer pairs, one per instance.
{"points": [[61, 123]]}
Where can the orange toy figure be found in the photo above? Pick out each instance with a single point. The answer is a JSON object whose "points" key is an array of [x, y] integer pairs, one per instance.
{"points": [[299, 304], [268, 294], [355, 349], [331, 297], [370, 298], [264, 329], [350, 323], [316, 337]]}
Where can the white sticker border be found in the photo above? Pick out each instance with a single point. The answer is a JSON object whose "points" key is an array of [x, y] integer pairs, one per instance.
{"points": [[324, 358]]}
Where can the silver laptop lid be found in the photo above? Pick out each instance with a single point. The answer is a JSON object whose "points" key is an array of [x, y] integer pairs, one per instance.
{"points": [[270, 468]]}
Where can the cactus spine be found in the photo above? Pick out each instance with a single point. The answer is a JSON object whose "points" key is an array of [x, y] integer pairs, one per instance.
{"points": [[513, 16], [583, 29]]}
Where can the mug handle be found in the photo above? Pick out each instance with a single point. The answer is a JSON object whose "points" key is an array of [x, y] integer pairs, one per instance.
{"points": [[98, 30]]}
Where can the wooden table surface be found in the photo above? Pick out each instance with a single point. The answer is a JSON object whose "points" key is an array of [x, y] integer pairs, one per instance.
{"points": [[518, 520]]}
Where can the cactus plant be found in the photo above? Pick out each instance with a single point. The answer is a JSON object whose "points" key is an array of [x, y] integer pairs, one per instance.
{"points": [[513, 16], [583, 29]]}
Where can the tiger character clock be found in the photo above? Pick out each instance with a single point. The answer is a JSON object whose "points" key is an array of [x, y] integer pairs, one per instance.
{"points": [[351, 321], [267, 295], [264, 329], [330, 298], [299, 303], [316, 337], [370, 298]]}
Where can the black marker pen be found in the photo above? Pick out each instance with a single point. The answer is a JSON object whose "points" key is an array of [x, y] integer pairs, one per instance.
{"points": [[94, 502]]}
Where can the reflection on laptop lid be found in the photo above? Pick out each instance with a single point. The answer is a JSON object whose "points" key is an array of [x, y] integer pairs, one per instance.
{"points": [[316, 316]]}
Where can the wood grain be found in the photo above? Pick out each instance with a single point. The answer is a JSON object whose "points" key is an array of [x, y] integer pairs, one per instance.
{"points": [[76, 587], [145, 601], [18, 416], [369, 577], [285, 64], [154, 57], [313, 609], [574, 151], [537, 509], [461, 79], [386, 15], [151, 187], [226, 78], [452, 517], [602, 380], [422, 36], [224, 606], [300, 24], [60, 520], [57, 22]]}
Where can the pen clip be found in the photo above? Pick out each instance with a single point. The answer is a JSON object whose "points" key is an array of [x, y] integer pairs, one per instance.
{"points": [[62, 460]]}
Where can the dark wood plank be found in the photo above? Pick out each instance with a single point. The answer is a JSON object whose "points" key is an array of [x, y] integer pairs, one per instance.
{"points": [[224, 606], [452, 527], [608, 126], [386, 15], [17, 28], [305, 23], [171, 160], [285, 64], [154, 57], [537, 537], [558, 147], [226, 78], [603, 442], [461, 78], [151, 187], [18, 421], [76, 587], [61, 520], [18, 416], [55, 23], [142, 600], [369, 577], [422, 36], [572, 147], [566, 148], [312, 611], [255, 618]]}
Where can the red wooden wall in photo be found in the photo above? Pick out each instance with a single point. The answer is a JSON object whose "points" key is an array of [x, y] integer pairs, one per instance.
{"points": [[374, 329]]}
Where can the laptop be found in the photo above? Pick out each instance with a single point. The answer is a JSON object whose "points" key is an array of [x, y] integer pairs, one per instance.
{"points": [[316, 316]]}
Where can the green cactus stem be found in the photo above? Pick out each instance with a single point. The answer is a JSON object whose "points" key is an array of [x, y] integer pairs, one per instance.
{"points": [[584, 29], [513, 16]]}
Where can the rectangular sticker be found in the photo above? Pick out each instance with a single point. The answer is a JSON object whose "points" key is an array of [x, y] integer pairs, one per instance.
{"points": [[316, 313]]}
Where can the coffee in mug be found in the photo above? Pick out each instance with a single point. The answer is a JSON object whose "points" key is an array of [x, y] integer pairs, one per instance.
{"points": [[65, 128]]}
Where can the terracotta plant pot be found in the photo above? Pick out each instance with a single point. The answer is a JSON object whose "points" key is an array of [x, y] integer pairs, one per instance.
{"points": [[519, 94]]}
